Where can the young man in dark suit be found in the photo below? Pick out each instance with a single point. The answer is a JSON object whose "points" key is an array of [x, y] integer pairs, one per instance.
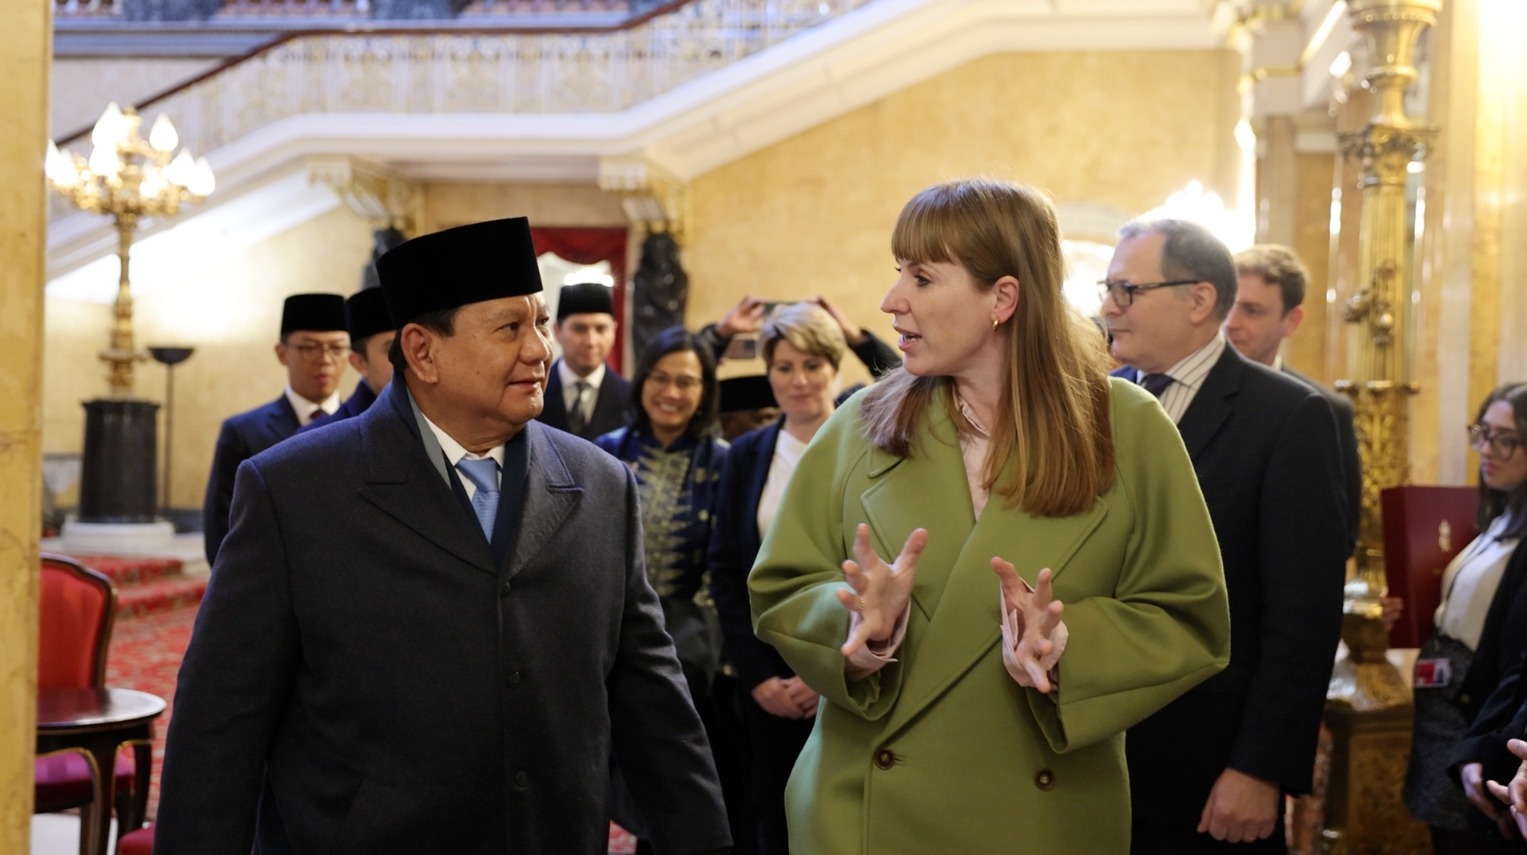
{"points": [[1269, 305], [371, 332], [313, 346], [430, 628], [1208, 773], [583, 396]]}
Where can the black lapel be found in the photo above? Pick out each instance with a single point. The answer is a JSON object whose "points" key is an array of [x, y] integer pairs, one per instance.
{"points": [[763, 459], [553, 411], [282, 421], [550, 494], [403, 482], [610, 405], [1212, 403]]}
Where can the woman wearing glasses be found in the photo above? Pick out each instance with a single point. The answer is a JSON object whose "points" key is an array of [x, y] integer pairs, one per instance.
{"points": [[676, 453], [1029, 566], [1481, 633]]}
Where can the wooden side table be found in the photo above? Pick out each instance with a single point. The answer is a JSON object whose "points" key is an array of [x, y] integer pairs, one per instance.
{"points": [[100, 721]]}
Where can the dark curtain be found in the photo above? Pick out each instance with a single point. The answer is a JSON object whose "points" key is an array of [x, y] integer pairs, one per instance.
{"points": [[591, 246]]}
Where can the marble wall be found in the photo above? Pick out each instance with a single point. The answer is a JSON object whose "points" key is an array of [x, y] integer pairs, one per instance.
{"points": [[813, 214], [25, 43]]}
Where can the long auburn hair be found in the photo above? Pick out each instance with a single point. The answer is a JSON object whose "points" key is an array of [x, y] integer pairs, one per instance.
{"points": [[1052, 420]]}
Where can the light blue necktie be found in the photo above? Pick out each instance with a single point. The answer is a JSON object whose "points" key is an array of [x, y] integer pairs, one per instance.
{"points": [[483, 473]]}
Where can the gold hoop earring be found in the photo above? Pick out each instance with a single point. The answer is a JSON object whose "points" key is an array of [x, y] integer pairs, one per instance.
{"points": [[995, 323]]}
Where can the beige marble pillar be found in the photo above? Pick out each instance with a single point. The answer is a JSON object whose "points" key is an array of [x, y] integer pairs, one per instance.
{"points": [[25, 48], [1473, 306]]}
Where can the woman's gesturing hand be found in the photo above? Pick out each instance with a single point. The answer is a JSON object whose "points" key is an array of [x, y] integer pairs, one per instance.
{"points": [[878, 591], [1033, 635]]}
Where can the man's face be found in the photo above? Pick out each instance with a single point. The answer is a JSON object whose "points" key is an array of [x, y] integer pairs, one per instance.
{"points": [[489, 375], [314, 361], [1157, 329], [586, 340], [371, 362], [1257, 323]]}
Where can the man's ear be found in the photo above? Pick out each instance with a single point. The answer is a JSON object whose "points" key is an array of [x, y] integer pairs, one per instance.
{"points": [[1204, 297], [419, 346], [358, 361], [1292, 319], [281, 354]]}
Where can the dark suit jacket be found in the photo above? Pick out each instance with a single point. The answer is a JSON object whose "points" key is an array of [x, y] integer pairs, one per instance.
{"points": [[400, 689], [610, 407], [1493, 691], [242, 437], [1351, 463], [1265, 450], [733, 549]]}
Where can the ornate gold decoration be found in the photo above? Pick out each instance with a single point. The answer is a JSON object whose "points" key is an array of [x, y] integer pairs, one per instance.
{"points": [[373, 194], [1368, 706], [1364, 812], [128, 178], [652, 199]]}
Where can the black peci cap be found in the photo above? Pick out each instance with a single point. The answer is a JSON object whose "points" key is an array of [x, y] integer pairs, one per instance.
{"points": [[314, 312], [456, 267]]}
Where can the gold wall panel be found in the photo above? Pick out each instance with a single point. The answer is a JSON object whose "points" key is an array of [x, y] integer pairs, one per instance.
{"points": [[25, 44], [813, 213]]}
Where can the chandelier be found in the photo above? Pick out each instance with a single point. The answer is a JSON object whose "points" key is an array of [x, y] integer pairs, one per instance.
{"points": [[128, 178]]}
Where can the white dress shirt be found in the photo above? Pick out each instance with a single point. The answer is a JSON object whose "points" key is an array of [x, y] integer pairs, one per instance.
{"points": [[305, 408], [455, 452], [1187, 376], [570, 380], [1469, 583]]}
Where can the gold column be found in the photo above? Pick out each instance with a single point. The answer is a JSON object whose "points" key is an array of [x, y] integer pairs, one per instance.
{"points": [[1368, 709], [25, 48]]}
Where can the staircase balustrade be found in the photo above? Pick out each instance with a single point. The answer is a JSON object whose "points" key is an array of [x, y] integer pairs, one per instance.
{"points": [[507, 71], [247, 11]]}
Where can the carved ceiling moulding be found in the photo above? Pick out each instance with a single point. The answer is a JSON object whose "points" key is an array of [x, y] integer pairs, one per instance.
{"points": [[653, 200], [382, 199]]}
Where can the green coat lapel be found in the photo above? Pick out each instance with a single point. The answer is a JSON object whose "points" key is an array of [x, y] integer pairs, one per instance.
{"points": [[956, 592], [902, 495]]}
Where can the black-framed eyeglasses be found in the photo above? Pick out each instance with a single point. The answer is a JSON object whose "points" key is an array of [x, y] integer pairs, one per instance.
{"points": [[312, 351], [1123, 293], [1481, 438]]}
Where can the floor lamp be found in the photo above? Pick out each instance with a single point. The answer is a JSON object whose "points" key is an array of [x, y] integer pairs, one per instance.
{"points": [[169, 357]]}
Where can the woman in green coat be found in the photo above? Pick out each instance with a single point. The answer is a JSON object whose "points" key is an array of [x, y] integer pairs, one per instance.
{"points": [[1055, 576]]}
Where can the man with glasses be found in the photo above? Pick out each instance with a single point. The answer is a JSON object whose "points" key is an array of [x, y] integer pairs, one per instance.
{"points": [[1209, 771], [313, 346], [371, 332]]}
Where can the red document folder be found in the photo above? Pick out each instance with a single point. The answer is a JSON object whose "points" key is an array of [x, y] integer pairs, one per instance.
{"points": [[1424, 527]]}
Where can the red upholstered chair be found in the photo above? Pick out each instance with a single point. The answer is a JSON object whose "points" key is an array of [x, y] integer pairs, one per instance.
{"points": [[78, 607], [137, 842]]}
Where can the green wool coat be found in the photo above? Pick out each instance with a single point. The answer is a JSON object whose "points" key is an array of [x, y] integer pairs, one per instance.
{"points": [[941, 752]]}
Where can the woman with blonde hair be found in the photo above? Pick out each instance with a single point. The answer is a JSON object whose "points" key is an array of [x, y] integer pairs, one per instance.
{"points": [[964, 711], [803, 347]]}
